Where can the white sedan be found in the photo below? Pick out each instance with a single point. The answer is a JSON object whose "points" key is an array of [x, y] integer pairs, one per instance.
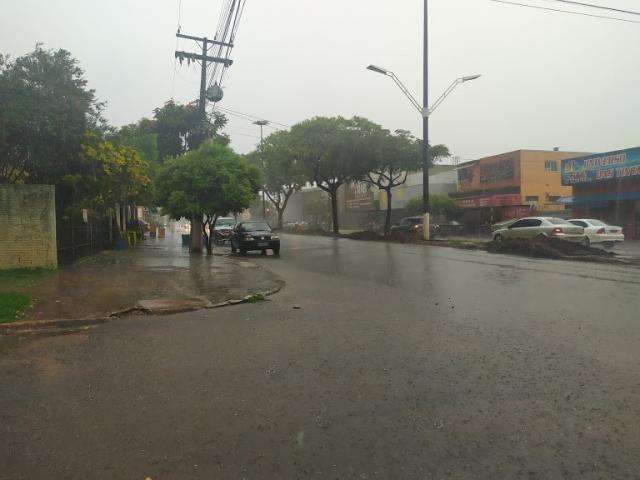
{"points": [[540, 227], [597, 231]]}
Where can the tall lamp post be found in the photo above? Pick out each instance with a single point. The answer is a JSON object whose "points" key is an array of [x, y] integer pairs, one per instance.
{"points": [[425, 111], [262, 124]]}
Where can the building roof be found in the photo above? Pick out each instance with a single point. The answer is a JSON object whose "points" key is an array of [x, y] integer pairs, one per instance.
{"points": [[471, 162]]}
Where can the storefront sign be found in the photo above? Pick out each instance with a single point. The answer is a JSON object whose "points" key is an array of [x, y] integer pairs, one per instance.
{"points": [[606, 166], [359, 196], [496, 171], [490, 201]]}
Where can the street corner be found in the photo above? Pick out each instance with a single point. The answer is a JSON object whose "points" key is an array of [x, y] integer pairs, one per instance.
{"points": [[155, 278]]}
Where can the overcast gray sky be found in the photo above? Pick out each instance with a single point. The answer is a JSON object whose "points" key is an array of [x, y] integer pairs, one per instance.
{"points": [[550, 79]]}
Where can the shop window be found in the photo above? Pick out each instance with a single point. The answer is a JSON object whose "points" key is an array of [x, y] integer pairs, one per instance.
{"points": [[551, 166], [532, 198], [554, 198]]}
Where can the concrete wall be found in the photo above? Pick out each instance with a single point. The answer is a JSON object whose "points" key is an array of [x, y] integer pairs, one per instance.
{"points": [[27, 227], [294, 211]]}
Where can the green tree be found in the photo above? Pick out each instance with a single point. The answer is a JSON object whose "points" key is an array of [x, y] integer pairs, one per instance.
{"points": [[282, 174], [316, 208], [45, 111], [334, 151], [140, 135], [441, 205], [204, 184], [117, 175], [395, 156], [179, 128]]}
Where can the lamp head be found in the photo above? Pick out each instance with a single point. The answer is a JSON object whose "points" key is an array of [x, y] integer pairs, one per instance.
{"points": [[471, 77], [375, 68]]}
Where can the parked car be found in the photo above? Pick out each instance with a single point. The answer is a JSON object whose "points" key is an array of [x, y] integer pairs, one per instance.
{"points": [[503, 224], [540, 227], [450, 228], [223, 229], [414, 224], [253, 236], [597, 231]]}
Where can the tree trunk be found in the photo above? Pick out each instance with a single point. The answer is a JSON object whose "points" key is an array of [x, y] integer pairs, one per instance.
{"points": [[334, 211], [117, 218], [207, 238], [387, 221], [196, 234], [280, 215]]}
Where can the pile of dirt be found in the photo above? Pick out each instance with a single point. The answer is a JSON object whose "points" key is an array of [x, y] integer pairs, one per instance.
{"points": [[365, 235], [401, 236], [311, 231], [394, 236], [547, 248]]}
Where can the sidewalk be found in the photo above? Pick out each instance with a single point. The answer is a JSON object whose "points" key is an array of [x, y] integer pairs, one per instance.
{"points": [[158, 269]]}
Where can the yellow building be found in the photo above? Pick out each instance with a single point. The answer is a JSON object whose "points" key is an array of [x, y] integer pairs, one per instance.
{"points": [[512, 185]]}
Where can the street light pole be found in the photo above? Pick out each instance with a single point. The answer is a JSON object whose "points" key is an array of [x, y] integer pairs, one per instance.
{"points": [[261, 124], [425, 128], [426, 112]]}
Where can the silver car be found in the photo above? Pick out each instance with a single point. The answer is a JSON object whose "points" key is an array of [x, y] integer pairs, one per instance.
{"points": [[540, 227], [597, 231]]}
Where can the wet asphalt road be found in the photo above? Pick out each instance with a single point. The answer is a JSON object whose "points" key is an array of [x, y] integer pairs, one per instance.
{"points": [[401, 361]]}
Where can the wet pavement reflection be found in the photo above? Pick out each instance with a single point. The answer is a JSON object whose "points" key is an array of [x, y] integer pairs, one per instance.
{"points": [[112, 281]]}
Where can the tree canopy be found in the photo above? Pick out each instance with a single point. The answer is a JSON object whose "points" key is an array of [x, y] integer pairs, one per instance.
{"points": [[118, 175], [282, 173], [209, 181], [333, 151], [179, 128], [396, 155], [45, 111]]}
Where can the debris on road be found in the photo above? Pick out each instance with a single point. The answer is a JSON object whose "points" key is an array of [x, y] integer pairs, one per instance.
{"points": [[548, 248]]}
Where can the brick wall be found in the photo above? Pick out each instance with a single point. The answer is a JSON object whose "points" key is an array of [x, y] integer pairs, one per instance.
{"points": [[27, 227]]}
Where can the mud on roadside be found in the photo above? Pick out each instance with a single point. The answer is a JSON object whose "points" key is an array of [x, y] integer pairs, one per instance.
{"points": [[551, 248]]}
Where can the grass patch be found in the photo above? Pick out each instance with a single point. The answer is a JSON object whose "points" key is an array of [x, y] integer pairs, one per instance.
{"points": [[19, 279], [256, 298], [12, 304]]}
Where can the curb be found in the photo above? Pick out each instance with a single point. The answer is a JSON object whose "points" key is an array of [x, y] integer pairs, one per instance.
{"points": [[46, 326], [35, 326]]}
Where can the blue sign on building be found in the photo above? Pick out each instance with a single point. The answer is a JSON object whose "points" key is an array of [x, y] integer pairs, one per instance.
{"points": [[600, 167]]}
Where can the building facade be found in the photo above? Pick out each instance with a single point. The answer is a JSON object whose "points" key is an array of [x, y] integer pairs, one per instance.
{"points": [[606, 186], [512, 185]]}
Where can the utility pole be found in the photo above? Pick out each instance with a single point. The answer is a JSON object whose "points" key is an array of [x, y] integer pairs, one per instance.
{"points": [[261, 124], [204, 59], [426, 210]]}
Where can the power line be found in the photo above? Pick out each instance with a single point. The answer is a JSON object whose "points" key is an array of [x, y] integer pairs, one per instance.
{"points": [[601, 7], [175, 60], [565, 11], [249, 117], [226, 31], [252, 120], [231, 132]]}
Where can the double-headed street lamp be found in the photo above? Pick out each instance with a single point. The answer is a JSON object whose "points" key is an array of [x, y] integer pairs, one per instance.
{"points": [[425, 111]]}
